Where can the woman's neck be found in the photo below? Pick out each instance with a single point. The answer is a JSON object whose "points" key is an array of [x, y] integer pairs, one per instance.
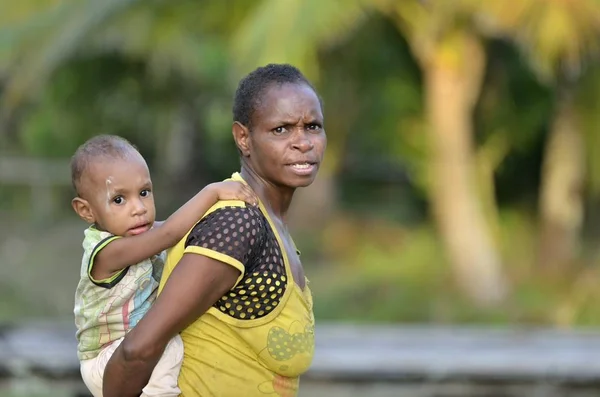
{"points": [[276, 199]]}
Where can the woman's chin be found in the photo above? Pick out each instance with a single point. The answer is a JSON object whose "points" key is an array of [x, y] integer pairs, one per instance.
{"points": [[303, 182], [297, 179]]}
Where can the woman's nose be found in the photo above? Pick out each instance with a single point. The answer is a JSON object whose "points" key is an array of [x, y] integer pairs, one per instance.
{"points": [[303, 143]]}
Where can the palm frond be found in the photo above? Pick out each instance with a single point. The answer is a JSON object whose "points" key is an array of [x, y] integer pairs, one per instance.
{"points": [[558, 36], [21, 12], [170, 37], [292, 31], [425, 22], [32, 70], [22, 25]]}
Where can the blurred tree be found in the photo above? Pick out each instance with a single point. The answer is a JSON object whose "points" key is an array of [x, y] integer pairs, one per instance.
{"points": [[373, 100], [587, 106], [557, 37], [511, 119], [177, 45], [452, 60], [445, 40]]}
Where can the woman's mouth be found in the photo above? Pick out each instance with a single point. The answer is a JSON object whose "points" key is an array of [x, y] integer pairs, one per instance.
{"points": [[303, 168]]}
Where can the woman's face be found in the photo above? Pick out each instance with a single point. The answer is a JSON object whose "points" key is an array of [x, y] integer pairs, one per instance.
{"points": [[287, 141]]}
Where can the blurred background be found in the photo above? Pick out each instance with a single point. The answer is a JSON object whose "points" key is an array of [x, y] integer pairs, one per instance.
{"points": [[460, 184]]}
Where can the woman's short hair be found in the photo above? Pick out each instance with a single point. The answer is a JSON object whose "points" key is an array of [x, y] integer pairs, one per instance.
{"points": [[251, 88]]}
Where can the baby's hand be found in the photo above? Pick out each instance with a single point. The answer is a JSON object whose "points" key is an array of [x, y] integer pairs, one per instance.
{"points": [[233, 190]]}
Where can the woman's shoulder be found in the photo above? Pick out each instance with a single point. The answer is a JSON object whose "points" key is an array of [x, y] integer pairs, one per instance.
{"points": [[233, 208], [230, 219], [226, 204]]}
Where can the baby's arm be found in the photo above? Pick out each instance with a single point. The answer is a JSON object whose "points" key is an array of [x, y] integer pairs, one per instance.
{"points": [[126, 251]]}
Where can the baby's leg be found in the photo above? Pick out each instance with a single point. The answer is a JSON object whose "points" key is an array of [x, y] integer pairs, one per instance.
{"points": [[92, 371], [163, 382]]}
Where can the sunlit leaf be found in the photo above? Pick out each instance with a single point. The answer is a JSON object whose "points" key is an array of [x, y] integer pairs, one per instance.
{"points": [[292, 31], [558, 36], [86, 16]]}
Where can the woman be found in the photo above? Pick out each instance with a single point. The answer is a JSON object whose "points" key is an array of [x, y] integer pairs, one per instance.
{"points": [[234, 286]]}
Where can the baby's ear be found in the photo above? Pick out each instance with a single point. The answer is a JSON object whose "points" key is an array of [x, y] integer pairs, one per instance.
{"points": [[83, 209]]}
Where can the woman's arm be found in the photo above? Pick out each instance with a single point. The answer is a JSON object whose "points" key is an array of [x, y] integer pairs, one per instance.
{"points": [[209, 268], [195, 284]]}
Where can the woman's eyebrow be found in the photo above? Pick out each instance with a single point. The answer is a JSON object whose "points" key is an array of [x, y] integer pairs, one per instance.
{"points": [[290, 120]]}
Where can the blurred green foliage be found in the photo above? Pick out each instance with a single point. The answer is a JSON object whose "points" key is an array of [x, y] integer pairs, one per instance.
{"points": [[163, 73]]}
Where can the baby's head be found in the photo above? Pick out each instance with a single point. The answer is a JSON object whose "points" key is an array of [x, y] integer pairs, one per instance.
{"points": [[113, 185]]}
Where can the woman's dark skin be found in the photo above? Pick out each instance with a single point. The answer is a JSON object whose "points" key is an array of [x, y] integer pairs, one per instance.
{"points": [[286, 129]]}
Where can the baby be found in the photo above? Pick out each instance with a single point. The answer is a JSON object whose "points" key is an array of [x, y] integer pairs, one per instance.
{"points": [[124, 253]]}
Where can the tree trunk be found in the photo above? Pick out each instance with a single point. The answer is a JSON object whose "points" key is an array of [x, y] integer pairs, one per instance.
{"points": [[453, 77], [488, 158], [174, 165], [179, 149], [561, 196]]}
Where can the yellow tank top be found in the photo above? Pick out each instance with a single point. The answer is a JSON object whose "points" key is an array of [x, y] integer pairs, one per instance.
{"points": [[259, 338]]}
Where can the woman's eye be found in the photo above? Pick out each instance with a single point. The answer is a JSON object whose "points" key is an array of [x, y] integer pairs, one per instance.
{"points": [[118, 200], [145, 193]]}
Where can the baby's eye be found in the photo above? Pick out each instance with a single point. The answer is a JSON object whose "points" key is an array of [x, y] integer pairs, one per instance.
{"points": [[279, 130], [118, 200], [145, 193], [313, 127]]}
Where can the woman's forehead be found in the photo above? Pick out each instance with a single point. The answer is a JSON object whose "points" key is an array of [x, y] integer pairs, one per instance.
{"points": [[288, 100]]}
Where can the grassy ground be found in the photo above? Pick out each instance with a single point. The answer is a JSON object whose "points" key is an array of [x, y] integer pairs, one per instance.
{"points": [[383, 273], [40, 269]]}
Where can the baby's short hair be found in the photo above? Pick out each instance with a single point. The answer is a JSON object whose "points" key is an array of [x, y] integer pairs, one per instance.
{"points": [[98, 147]]}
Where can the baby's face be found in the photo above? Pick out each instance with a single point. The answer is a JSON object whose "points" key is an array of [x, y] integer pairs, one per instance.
{"points": [[121, 196]]}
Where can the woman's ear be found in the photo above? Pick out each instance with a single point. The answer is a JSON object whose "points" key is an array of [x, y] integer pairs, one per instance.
{"points": [[241, 136]]}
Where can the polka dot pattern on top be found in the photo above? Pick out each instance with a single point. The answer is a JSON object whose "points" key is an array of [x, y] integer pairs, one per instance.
{"points": [[244, 234]]}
